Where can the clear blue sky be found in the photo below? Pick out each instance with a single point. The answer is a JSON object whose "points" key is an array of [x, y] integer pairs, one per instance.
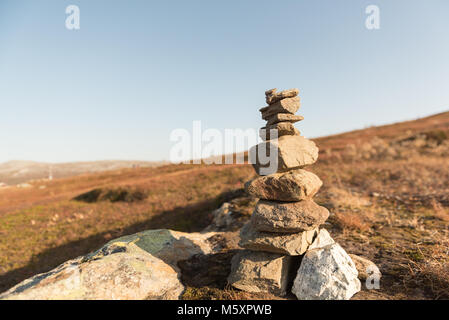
{"points": [[138, 69]]}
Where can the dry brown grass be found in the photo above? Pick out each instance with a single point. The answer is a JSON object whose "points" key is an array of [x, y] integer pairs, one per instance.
{"points": [[342, 198], [348, 210], [440, 212], [431, 271], [350, 221]]}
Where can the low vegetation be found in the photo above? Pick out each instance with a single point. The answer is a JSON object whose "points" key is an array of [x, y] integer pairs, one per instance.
{"points": [[122, 194], [387, 189]]}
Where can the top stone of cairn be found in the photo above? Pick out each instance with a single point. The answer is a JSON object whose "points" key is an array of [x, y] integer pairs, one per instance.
{"points": [[271, 96]]}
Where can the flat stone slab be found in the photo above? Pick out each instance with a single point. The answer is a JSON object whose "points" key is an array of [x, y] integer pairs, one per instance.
{"points": [[283, 117], [293, 152], [326, 273], [257, 271], [292, 244], [289, 105], [289, 217], [282, 129], [294, 185]]}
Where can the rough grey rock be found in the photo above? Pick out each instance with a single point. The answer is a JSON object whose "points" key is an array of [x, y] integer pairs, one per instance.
{"points": [[282, 129], [326, 273], [294, 185], [323, 239], [139, 266], [289, 105], [293, 152], [257, 271], [292, 244], [282, 217]]}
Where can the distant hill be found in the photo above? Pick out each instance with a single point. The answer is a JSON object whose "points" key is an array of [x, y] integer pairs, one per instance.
{"points": [[17, 171]]}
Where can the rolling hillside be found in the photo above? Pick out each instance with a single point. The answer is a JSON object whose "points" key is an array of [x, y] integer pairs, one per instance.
{"points": [[387, 188]]}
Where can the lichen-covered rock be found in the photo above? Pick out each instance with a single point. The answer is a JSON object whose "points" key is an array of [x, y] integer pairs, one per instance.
{"points": [[257, 271], [292, 244], [272, 216], [295, 185], [283, 154], [326, 273], [139, 266]]}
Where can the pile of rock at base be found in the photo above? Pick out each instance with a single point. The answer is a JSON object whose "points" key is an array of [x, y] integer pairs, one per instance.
{"points": [[285, 248]]}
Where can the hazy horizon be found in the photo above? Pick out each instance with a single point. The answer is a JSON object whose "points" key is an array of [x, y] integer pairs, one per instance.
{"points": [[135, 71], [166, 160]]}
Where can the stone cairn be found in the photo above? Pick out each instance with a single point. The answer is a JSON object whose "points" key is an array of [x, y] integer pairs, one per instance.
{"points": [[284, 247]]}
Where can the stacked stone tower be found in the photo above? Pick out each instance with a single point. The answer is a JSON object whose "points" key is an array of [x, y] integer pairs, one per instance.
{"points": [[285, 223]]}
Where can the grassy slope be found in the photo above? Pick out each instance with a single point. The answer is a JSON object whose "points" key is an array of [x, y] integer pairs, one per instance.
{"points": [[378, 211]]}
